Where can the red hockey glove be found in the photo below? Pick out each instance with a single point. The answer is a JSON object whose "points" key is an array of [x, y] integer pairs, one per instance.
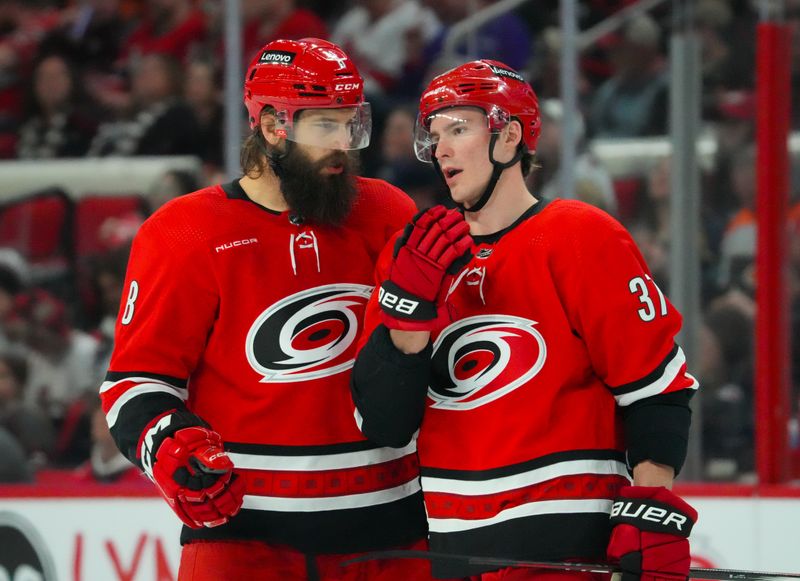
{"points": [[194, 474], [433, 246], [650, 538]]}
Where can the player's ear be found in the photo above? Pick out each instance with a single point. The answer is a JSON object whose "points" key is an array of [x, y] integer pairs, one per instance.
{"points": [[508, 142], [267, 127], [513, 134]]}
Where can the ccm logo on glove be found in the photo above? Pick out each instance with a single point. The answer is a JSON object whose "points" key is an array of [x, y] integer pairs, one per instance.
{"points": [[632, 512]]}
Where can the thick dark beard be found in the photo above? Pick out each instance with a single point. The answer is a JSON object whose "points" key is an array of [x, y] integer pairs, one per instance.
{"points": [[317, 197]]}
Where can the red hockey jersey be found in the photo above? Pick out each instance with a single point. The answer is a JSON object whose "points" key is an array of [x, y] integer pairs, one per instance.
{"points": [[249, 319], [558, 325]]}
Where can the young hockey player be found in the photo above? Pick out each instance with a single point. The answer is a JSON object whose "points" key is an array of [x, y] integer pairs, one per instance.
{"points": [[529, 345]]}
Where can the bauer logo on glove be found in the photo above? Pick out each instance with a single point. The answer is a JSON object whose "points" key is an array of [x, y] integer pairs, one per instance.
{"points": [[641, 514]]}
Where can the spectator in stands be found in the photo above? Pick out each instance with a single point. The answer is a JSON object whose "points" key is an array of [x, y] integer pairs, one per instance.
{"points": [[202, 91], [174, 183], [734, 125], [268, 20], [22, 27], [13, 279], [728, 407], [726, 65], [31, 427], [107, 272], [13, 463], [169, 27], [57, 123], [545, 70], [92, 32], [375, 32], [793, 20], [712, 19], [633, 102], [106, 464], [160, 122], [591, 178], [739, 239], [399, 166], [61, 359], [505, 38]]}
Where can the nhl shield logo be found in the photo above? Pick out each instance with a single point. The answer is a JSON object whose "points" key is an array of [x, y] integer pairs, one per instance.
{"points": [[308, 335], [480, 359]]}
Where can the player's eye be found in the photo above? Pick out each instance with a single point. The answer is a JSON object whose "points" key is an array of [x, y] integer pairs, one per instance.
{"points": [[327, 126]]}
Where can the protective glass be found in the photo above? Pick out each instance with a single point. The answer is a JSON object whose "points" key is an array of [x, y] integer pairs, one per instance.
{"points": [[454, 126], [343, 128]]}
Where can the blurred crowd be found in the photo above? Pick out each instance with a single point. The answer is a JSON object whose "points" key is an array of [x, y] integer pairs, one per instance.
{"points": [[93, 78]]}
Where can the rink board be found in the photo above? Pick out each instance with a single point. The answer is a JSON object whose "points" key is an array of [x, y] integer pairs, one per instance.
{"points": [[135, 538]]}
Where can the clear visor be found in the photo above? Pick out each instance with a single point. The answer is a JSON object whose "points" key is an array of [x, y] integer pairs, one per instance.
{"points": [[343, 128], [454, 124]]}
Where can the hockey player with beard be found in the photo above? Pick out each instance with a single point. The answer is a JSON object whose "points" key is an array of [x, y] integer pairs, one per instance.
{"points": [[529, 345], [242, 306]]}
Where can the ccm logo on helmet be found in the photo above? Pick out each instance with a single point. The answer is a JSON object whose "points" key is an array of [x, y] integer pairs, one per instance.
{"points": [[277, 56], [638, 511], [347, 87], [507, 73]]}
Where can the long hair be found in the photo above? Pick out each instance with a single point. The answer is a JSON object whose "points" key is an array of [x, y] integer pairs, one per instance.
{"points": [[254, 151]]}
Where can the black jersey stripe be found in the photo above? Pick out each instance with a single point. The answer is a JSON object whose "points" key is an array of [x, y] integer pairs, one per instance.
{"points": [[578, 536], [316, 450], [115, 376], [383, 526], [648, 379]]}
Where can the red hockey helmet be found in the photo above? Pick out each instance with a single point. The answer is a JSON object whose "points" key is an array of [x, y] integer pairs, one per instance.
{"points": [[490, 85], [294, 75]]}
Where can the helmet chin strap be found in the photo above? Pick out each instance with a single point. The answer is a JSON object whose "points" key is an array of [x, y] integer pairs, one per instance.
{"points": [[497, 169], [274, 156]]}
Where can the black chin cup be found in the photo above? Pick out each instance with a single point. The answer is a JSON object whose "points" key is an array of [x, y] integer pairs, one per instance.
{"points": [[497, 169]]}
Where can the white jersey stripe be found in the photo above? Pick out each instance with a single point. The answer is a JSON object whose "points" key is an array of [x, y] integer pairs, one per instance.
{"points": [[453, 525], [141, 389], [362, 500], [515, 481], [321, 461], [670, 373], [359, 419]]}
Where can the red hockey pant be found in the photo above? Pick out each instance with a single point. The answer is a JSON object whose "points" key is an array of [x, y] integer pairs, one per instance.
{"points": [[256, 561]]}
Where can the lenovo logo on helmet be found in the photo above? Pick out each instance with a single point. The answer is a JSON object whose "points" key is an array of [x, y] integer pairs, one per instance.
{"points": [[347, 87], [507, 73], [277, 56]]}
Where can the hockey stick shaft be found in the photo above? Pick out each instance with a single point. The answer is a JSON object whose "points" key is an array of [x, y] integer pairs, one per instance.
{"points": [[694, 573]]}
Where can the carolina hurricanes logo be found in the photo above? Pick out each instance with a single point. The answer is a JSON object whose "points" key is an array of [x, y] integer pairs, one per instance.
{"points": [[480, 359], [308, 335]]}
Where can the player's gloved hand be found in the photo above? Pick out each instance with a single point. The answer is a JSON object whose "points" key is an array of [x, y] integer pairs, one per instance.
{"points": [[195, 476], [650, 535], [433, 247]]}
